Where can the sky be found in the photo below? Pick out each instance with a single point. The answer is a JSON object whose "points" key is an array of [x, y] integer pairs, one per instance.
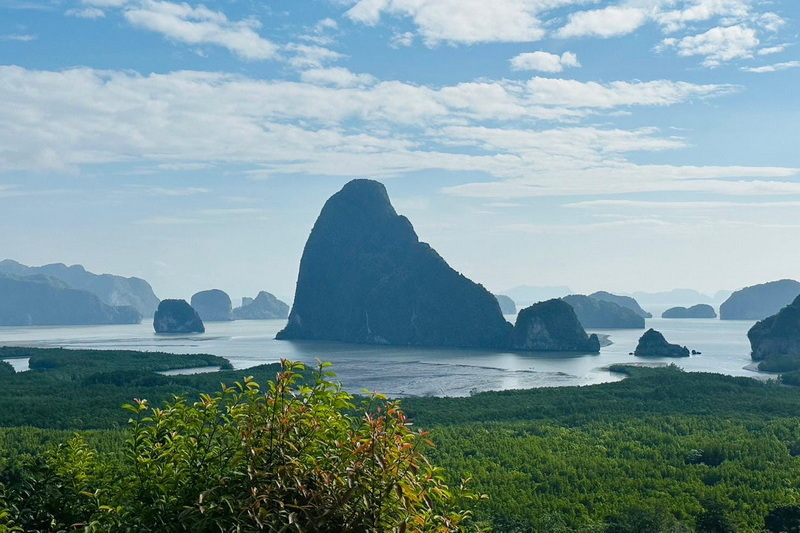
{"points": [[622, 145]]}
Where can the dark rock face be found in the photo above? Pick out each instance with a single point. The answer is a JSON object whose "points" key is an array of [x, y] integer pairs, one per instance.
{"points": [[594, 313], [623, 301], [695, 311], [778, 334], [759, 301], [552, 326], [177, 316], [112, 290], [366, 278], [507, 305], [44, 301], [213, 305], [263, 307], [653, 344]]}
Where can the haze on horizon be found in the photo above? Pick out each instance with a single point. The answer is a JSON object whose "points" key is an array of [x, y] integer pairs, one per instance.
{"points": [[623, 145]]}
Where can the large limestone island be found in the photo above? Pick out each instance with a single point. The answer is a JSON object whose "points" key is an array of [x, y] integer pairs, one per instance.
{"points": [[39, 300], [594, 313], [623, 301], [777, 335], [262, 307], [653, 344], [695, 311], [552, 326], [366, 278], [759, 301], [112, 290], [177, 316], [213, 305]]}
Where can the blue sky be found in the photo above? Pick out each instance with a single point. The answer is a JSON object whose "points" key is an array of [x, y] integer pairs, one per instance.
{"points": [[621, 145]]}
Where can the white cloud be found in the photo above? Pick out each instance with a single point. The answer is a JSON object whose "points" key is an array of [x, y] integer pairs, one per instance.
{"points": [[350, 125], [573, 93], [718, 45], [464, 21], [106, 3], [544, 61], [22, 38], [310, 56], [649, 205], [611, 21], [772, 50], [340, 77], [401, 40], [199, 26], [86, 13], [320, 33], [694, 11], [773, 68]]}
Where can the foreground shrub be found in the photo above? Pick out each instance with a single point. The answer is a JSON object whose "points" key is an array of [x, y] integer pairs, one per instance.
{"points": [[298, 456]]}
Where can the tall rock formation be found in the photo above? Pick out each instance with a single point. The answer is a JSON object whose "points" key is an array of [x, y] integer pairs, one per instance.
{"points": [[264, 306], [759, 301], [695, 311], [594, 313], [778, 334], [112, 290], [44, 301], [177, 316], [212, 305], [552, 326], [624, 301], [366, 278]]}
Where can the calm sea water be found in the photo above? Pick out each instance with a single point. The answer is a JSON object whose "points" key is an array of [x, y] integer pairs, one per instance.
{"points": [[404, 371]]}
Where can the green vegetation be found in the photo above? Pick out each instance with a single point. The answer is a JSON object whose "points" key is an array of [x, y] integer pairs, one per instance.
{"points": [[662, 451], [298, 455], [663, 447]]}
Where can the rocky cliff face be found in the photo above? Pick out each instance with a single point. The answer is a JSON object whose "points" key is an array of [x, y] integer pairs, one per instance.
{"points": [[177, 316], [212, 305], [262, 307], [594, 313], [623, 301], [43, 301], [112, 290], [778, 334], [695, 311], [552, 326], [653, 344], [759, 301], [366, 278]]}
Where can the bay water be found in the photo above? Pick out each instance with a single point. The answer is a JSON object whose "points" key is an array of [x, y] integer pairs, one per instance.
{"points": [[411, 371]]}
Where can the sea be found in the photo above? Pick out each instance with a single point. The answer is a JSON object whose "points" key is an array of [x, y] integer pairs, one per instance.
{"points": [[412, 371]]}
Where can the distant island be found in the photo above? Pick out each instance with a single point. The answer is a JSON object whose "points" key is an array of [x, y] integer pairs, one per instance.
{"points": [[507, 305], [39, 300], [177, 316], [213, 305], [594, 313], [110, 289], [653, 344], [624, 301], [759, 301], [695, 311], [366, 278], [264, 306]]}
